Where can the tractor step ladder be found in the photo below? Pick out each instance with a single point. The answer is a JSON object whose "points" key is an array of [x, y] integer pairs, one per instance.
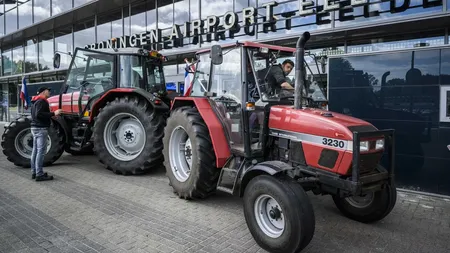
{"points": [[229, 175]]}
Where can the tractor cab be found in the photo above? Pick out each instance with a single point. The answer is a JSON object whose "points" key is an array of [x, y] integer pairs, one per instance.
{"points": [[93, 73], [253, 75]]}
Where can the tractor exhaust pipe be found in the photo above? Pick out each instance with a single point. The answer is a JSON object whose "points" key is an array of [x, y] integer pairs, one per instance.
{"points": [[299, 69]]}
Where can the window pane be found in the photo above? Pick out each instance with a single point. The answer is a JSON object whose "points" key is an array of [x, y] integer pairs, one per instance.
{"points": [[389, 86], [46, 52], [18, 57], [165, 14], [131, 71], [7, 62], [445, 67], [117, 24], [31, 56], [393, 43], [138, 22], [380, 11], [80, 2], [201, 78], [41, 10], [155, 77], [151, 15], [60, 6], [25, 13], [227, 76], [84, 33], [2, 20], [63, 43], [11, 17]]}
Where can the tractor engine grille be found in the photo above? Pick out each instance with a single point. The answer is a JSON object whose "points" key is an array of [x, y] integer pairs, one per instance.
{"points": [[368, 162]]}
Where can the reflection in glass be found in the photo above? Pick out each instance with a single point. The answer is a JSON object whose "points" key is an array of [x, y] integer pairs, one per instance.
{"points": [[17, 64], [165, 14], [60, 6], [2, 21], [46, 51], [151, 15], [77, 3], [84, 33], [41, 10], [64, 44], [445, 66], [138, 18], [31, 56], [380, 11], [395, 44], [7, 62], [11, 17], [25, 13]]}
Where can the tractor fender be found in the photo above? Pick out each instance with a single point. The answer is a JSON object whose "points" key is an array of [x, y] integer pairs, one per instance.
{"points": [[119, 92], [271, 168], [216, 132], [59, 121]]}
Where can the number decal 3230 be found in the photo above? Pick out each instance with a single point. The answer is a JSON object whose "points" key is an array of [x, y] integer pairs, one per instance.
{"points": [[333, 142]]}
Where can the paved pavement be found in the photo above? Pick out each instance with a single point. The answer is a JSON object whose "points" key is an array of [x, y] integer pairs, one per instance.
{"points": [[89, 209]]}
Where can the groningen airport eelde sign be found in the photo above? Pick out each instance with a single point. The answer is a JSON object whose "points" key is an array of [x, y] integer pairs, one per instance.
{"points": [[247, 21]]}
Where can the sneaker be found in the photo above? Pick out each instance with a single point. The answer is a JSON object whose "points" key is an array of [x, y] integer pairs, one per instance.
{"points": [[33, 176], [44, 177]]}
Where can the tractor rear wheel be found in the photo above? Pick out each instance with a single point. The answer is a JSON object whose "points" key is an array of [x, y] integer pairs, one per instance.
{"points": [[188, 154], [17, 143], [278, 213], [128, 136], [370, 207]]}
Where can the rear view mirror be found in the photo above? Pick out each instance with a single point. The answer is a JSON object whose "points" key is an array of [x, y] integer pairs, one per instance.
{"points": [[216, 55], [56, 60]]}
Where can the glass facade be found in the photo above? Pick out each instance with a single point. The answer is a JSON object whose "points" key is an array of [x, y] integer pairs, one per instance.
{"points": [[401, 91]]}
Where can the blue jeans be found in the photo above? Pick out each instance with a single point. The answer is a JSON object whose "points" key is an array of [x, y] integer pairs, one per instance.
{"points": [[39, 150]]}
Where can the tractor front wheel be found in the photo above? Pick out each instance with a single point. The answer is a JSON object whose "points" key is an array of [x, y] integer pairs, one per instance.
{"points": [[128, 136], [369, 207], [188, 154], [17, 143], [279, 214]]}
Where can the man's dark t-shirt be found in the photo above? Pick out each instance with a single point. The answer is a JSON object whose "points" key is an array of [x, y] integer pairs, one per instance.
{"points": [[275, 78], [40, 113]]}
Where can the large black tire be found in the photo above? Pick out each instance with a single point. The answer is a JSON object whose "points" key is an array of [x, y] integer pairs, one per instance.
{"points": [[202, 179], [376, 208], [150, 122], [17, 143], [298, 228]]}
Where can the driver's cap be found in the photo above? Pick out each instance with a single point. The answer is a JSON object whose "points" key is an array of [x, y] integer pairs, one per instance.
{"points": [[43, 88]]}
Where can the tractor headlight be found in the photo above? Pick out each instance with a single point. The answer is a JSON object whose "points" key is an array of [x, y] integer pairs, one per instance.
{"points": [[364, 146], [379, 144]]}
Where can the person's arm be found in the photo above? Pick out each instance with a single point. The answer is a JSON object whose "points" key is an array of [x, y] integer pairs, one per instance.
{"points": [[41, 113], [281, 79]]}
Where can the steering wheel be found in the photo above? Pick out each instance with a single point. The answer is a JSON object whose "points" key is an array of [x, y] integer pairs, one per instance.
{"points": [[228, 100]]}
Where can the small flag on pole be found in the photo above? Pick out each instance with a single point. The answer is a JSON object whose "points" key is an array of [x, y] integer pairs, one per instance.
{"points": [[24, 94], [188, 77]]}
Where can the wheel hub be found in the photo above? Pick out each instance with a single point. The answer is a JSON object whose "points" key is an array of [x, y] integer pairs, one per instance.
{"points": [[269, 216], [24, 143], [124, 136], [180, 154], [361, 201]]}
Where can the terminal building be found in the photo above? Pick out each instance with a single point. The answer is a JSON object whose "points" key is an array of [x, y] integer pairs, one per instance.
{"points": [[387, 62]]}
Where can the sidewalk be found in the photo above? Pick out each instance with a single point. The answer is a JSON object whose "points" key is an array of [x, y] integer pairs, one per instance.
{"points": [[90, 209]]}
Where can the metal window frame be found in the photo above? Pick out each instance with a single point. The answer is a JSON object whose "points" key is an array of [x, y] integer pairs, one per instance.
{"points": [[444, 94]]}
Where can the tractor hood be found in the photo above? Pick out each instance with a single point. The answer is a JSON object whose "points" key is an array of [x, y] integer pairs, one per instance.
{"points": [[314, 123], [69, 102]]}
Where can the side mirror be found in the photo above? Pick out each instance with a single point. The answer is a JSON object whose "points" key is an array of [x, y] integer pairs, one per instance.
{"points": [[56, 60], [216, 55]]}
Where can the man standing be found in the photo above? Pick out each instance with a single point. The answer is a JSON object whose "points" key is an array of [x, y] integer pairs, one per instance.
{"points": [[40, 123]]}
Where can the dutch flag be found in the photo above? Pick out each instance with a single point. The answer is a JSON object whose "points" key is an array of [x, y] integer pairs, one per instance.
{"points": [[24, 94], [188, 74]]}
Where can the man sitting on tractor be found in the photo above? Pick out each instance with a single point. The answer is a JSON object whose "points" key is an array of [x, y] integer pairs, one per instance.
{"points": [[277, 77]]}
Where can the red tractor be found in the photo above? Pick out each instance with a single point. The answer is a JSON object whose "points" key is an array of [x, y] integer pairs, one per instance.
{"points": [[120, 114], [270, 146]]}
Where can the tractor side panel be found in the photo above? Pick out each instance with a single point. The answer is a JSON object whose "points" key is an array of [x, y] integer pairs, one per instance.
{"points": [[69, 103], [216, 131]]}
